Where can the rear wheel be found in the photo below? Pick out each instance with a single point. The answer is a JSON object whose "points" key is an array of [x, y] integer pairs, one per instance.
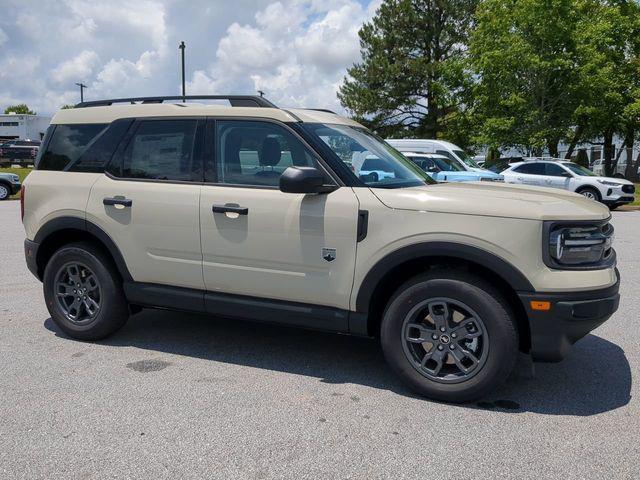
{"points": [[84, 292], [449, 336]]}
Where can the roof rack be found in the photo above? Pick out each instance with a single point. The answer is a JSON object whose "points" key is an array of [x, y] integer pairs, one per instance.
{"points": [[234, 100]]}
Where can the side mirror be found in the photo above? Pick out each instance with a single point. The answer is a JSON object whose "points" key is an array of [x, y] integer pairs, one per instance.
{"points": [[304, 180], [566, 175]]}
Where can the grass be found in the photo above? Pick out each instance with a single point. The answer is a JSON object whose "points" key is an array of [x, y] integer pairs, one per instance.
{"points": [[21, 172], [637, 202]]}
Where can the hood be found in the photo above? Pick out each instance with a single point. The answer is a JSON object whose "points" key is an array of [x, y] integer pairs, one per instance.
{"points": [[617, 181], [455, 176], [494, 200]]}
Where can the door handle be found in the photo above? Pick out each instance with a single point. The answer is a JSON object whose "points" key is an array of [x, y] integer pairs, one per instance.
{"points": [[230, 208], [125, 202]]}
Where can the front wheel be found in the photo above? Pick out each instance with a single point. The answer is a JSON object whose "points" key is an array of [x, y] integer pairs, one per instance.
{"points": [[590, 193], [449, 336], [4, 192], [83, 292]]}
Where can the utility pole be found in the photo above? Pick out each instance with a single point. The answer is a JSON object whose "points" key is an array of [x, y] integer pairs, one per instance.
{"points": [[182, 47], [82, 87], [261, 93]]}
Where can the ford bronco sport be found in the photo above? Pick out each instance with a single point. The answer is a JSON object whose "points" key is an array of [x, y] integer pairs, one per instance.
{"points": [[251, 211]]}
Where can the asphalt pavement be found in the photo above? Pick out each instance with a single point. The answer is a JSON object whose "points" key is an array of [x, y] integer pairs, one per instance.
{"points": [[182, 396]]}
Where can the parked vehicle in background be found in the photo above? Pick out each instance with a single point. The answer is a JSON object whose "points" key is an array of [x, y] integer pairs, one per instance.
{"points": [[621, 168], [9, 185], [439, 147], [19, 151], [613, 192], [503, 163], [444, 169], [258, 212]]}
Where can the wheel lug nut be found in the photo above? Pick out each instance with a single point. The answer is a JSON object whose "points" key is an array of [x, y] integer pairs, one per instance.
{"points": [[442, 329], [434, 336], [453, 335], [452, 347], [440, 347]]}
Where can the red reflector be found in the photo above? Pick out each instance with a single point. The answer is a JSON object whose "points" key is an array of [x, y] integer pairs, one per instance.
{"points": [[23, 191]]}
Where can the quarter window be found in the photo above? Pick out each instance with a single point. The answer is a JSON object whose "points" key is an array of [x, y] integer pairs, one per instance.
{"points": [[67, 143], [256, 153], [161, 150]]}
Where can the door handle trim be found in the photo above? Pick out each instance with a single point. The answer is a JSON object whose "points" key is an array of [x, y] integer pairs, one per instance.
{"points": [[125, 202], [230, 208]]}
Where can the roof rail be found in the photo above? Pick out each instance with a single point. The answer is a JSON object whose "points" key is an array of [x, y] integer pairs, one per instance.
{"points": [[326, 110], [234, 100]]}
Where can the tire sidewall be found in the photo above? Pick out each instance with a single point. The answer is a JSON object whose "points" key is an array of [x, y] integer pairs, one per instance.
{"points": [[500, 330], [109, 317]]}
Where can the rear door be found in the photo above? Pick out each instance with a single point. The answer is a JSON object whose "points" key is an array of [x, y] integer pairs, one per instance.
{"points": [[260, 242], [148, 201], [528, 174]]}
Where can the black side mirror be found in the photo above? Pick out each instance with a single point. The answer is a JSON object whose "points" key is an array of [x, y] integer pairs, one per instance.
{"points": [[304, 180]]}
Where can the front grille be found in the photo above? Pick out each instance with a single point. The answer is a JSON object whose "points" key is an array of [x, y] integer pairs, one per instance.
{"points": [[629, 188]]}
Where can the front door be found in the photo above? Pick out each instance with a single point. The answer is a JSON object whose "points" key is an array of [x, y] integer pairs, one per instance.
{"points": [[260, 242], [149, 202]]}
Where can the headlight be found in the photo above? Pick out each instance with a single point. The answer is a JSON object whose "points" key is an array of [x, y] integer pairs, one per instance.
{"points": [[15, 178], [579, 245], [610, 184]]}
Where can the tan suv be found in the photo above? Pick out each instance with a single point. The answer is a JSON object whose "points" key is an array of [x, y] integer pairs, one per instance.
{"points": [[251, 211]]}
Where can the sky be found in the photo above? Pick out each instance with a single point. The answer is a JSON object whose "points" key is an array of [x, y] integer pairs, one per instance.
{"points": [[296, 51]]}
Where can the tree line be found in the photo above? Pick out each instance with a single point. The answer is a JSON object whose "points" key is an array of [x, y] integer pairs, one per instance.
{"points": [[529, 74]]}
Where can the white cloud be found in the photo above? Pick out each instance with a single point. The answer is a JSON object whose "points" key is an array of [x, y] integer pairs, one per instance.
{"points": [[77, 68], [297, 51]]}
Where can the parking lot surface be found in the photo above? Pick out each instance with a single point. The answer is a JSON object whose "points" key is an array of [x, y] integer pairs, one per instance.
{"points": [[182, 396]]}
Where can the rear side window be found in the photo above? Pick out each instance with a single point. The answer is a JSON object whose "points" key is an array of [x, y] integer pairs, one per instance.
{"points": [[67, 144], [98, 155], [530, 169], [161, 150]]}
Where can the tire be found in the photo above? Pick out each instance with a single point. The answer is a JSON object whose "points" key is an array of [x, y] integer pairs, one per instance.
{"points": [[5, 191], [590, 193], [498, 336], [89, 266]]}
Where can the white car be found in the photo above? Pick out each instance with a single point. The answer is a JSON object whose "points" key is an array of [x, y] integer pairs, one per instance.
{"points": [[613, 192], [439, 147], [621, 167], [375, 169]]}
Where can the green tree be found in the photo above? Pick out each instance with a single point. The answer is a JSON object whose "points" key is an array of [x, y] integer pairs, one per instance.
{"points": [[609, 81], [412, 79], [524, 55], [66, 107], [21, 108]]}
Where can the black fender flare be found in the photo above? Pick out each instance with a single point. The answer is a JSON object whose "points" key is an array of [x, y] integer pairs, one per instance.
{"points": [[476, 255], [76, 223]]}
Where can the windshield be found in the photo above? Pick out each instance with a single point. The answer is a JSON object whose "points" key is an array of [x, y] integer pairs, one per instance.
{"points": [[374, 162], [579, 169], [466, 158]]}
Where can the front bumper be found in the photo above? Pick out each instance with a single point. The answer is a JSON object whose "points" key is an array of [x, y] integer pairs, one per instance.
{"points": [[15, 187], [618, 195], [572, 316]]}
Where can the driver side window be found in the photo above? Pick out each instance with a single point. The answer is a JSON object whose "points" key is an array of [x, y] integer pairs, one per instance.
{"points": [[256, 153]]}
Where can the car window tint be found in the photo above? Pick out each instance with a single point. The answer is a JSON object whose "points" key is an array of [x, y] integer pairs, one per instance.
{"points": [[98, 155], [161, 150], [256, 153], [67, 143], [554, 170], [530, 169]]}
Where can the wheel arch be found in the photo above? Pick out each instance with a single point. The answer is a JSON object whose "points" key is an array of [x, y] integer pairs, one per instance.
{"points": [[386, 276], [62, 230]]}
